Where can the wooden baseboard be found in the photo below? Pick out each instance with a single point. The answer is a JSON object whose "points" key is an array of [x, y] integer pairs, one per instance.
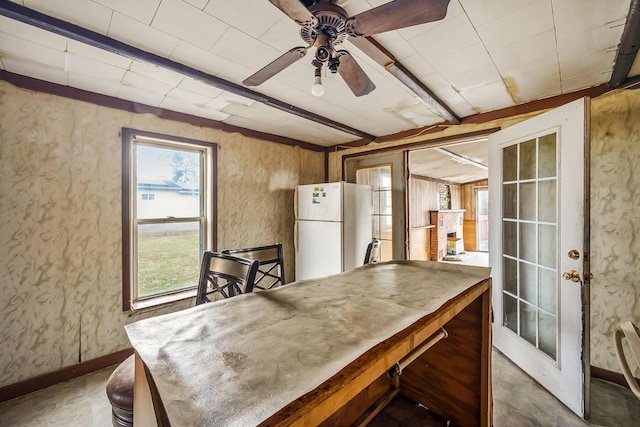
{"points": [[611, 376], [28, 386]]}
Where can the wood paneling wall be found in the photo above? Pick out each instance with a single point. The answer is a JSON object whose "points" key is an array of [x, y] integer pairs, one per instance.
{"points": [[468, 200], [424, 198]]}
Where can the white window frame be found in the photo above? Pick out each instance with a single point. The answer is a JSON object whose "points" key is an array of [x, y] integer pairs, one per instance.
{"points": [[208, 152]]}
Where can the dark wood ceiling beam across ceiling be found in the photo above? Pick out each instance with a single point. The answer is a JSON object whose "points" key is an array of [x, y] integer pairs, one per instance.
{"points": [[628, 49], [75, 32], [378, 53]]}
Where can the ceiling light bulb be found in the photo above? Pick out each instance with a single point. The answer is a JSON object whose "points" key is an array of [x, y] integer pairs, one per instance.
{"points": [[316, 88]]}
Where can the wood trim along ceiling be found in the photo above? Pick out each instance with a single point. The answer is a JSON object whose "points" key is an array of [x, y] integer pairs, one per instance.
{"points": [[133, 107]]}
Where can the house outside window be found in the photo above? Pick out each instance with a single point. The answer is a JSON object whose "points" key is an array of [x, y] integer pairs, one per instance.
{"points": [[168, 216]]}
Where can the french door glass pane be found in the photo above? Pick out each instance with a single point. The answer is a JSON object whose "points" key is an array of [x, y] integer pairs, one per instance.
{"points": [[529, 212]]}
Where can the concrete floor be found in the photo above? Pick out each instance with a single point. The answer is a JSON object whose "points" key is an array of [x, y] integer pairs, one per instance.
{"points": [[518, 401]]}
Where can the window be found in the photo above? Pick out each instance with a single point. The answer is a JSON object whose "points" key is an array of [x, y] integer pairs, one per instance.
{"points": [[168, 200], [379, 178]]}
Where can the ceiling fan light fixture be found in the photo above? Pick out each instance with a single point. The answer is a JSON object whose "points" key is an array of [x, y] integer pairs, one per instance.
{"points": [[317, 89]]}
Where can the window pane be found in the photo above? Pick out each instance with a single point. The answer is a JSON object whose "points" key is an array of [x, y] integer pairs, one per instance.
{"points": [[510, 201], [547, 201], [510, 238], [547, 161], [510, 276], [528, 159], [168, 257], [528, 242], [510, 312], [510, 163], [528, 201], [168, 182], [528, 323]]}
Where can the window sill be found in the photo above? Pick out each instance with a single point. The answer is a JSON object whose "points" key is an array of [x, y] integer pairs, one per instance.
{"points": [[162, 300]]}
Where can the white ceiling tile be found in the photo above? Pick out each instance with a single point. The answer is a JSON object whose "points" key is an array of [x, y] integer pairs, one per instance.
{"points": [[536, 80], [534, 18], [188, 23], [584, 16], [534, 48], [140, 10], [33, 34], [35, 70], [418, 66], [187, 96], [91, 84], [86, 13], [584, 81], [200, 4], [284, 35], [180, 106], [445, 39], [199, 87], [135, 94], [137, 34], [235, 73], [216, 104], [254, 19], [238, 47], [92, 68], [488, 97], [575, 62], [156, 73], [396, 44], [483, 11], [16, 48], [447, 94], [457, 62], [198, 58], [475, 77], [145, 83], [232, 98], [100, 55]]}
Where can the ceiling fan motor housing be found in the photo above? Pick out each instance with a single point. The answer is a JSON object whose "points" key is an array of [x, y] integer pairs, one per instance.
{"points": [[331, 22]]}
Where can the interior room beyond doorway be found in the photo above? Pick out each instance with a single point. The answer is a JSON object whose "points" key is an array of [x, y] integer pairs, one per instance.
{"points": [[448, 203]]}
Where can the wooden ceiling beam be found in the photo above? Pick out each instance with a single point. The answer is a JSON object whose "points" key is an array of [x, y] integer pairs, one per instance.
{"points": [[383, 57], [628, 49]]}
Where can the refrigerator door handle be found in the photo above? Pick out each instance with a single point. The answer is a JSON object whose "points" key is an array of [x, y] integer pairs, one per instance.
{"points": [[295, 238]]}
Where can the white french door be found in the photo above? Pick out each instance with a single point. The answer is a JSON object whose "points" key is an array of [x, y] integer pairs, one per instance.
{"points": [[537, 248]]}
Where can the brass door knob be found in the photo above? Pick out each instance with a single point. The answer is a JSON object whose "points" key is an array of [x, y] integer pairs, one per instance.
{"points": [[574, 254], [571, 275]]}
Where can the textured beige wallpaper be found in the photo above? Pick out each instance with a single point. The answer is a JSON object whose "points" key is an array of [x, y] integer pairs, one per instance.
{"points": [[60, 221], [615, 220]]}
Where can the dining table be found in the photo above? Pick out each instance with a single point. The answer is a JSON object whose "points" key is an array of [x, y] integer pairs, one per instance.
{"points": [[328, 351]]}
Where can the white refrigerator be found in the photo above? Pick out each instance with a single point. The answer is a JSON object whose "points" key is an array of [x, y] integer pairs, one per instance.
{"points": [[334, 225]]}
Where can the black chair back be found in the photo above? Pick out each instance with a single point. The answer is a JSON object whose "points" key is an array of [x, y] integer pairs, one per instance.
{"points": [[225, 274], [271, 264], [373, 252]]}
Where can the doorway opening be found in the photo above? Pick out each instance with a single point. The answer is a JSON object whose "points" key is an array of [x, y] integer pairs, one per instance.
{"points": [[447, 202]]}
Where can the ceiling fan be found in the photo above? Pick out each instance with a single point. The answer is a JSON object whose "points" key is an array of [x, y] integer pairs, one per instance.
{"points": [[324, 25]]}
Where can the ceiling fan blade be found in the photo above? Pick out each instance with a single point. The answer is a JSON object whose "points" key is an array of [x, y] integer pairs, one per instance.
{"points": [[294, 10], [353, 75], [275, 67], [395, 15]]}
